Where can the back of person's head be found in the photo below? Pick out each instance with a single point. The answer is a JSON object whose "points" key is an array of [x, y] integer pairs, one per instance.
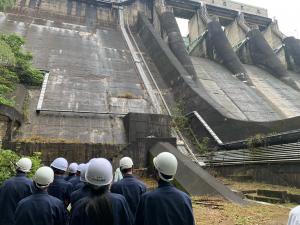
{"points": [[43, 177], [24, 165], [165, 164], [126, 165], [59, 165], [73, 168], [99, 176]]}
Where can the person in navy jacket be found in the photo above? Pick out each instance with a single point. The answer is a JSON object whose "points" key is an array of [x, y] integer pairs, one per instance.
{"points": [[166, 205], [72, 170], [83, 189], [130, 187], [41, 208], [101, 207], [60, 188], [76, 179], [13, 190]]}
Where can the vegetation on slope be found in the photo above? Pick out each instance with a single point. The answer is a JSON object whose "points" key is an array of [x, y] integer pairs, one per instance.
{"points": [[6, 4], [15, 67]]}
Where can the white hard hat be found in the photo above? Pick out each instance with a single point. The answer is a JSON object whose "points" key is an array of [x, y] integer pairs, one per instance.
{"points": [[43, 176], [99, 172], [165, 163], [126, 163], [80, 167], [60, 163], [83, 172], [73, 167], [24, 165]]}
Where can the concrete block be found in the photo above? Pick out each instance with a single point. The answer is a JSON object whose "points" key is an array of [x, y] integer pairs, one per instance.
{"points": [[193, 179]]}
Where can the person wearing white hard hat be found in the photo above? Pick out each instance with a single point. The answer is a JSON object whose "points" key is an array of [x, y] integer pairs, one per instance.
{"points": [[40, 207], [72, 170], [76, 179], [101, 206], [60, 188], [118, 175], [165, 205], [13, 190], [82, 189], [130, 187]]}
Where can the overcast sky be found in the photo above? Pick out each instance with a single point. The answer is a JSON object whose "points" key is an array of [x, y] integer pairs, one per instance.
{"points": [[287, 13]]}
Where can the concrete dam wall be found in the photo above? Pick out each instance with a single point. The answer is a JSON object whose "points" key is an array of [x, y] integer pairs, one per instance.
{"points": [[93, 80]]}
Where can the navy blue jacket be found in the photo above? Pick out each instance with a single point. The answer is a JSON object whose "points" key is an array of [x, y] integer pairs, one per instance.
{"points": [[11, 192], [79, 194], [79, 185], [61, 189], [74, 181], [41, 209], [166, 205], [69, 177], [121, 211], [132, 189]]}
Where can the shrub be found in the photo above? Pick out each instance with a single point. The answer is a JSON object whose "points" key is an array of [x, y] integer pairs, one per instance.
{"points": [[6, 4], [15, 67], [8, 159]]}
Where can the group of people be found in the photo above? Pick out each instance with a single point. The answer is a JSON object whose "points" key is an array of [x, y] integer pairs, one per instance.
{"points": [[90, 195]]}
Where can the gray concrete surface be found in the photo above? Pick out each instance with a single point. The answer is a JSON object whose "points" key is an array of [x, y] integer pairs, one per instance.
{"points": [[237, 100], [90, 72], [280, 95]]}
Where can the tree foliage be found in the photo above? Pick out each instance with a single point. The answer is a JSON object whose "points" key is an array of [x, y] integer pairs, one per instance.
{"points": [[15, 67], [6, 4], [8, 161]]}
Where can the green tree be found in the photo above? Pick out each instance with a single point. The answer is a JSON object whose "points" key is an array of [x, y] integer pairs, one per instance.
{"points": [[6, 4], [8, 161]]}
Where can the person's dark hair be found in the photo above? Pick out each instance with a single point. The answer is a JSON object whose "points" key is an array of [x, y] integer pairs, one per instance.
{"points": [[57, 171], [168, 177], [99, 206], [124, 171]]}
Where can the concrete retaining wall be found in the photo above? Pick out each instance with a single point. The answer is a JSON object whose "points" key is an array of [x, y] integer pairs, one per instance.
{"points": [[287, 174], [78, 152]]}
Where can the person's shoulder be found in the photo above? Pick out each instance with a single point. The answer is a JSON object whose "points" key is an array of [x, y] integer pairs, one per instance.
{"points": [[25, 200], [141, 183], [54, 200], [181, 193], [116, 197]]}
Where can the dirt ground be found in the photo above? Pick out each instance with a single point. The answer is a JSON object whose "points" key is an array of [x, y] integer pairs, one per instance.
{"points": [[215, 211], [245, 186]]}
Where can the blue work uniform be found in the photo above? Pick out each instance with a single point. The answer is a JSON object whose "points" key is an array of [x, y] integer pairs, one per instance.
{"points": [[166, 205], [79, 185], [69, 177], [11, 192], [61, 189], [41, 209], [74, 181], [83, 192], [121, 212], [131, 188]]}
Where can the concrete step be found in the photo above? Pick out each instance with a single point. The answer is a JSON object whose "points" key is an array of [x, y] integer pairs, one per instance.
{"points": [[272, 194], [264, 198]]}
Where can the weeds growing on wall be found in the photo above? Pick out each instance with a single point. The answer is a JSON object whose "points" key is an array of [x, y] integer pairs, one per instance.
{"points": [[181, 122], [8, 159], [15, 67]]}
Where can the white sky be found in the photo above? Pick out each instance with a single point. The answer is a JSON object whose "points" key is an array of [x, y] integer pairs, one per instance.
{"points": [[287, 13]]}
